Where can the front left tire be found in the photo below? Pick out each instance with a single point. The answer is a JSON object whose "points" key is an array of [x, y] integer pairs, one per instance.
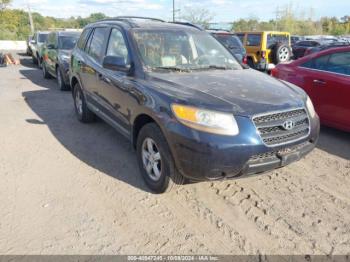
{"points": [[155, 160], [60, 81], [82, 111]]}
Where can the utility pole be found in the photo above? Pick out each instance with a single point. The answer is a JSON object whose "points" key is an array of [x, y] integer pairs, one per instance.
{"points": [[30, 19], [277, 17], [173, 10]]}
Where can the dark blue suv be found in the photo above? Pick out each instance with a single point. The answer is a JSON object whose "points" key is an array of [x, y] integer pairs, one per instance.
{"points": [[190, 109]]}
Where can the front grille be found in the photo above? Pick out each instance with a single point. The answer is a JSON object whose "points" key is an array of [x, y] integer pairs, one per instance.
{"points": [[272, 131]]}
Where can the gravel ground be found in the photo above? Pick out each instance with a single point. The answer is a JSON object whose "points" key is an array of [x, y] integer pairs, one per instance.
{"points": [[72, 188]]}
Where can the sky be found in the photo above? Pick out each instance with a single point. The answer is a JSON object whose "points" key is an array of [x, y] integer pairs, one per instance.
{"points": [[221, 10]]}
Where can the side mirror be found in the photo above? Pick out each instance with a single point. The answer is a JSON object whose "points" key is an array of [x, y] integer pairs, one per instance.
{"points": [[116, 63], [33, 42]]}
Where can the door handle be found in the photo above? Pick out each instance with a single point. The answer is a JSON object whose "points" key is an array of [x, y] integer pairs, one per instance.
{"points": [[320, 82]]}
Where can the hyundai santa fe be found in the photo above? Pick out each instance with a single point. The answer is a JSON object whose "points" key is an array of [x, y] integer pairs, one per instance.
{"points": [[190, 109]]}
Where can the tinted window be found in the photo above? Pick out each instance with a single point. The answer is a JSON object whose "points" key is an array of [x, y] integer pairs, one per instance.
{"points": [[42, 38], [96, 48], [253, 40], [67, 42], [339, 63], [241, 37], [83, 38], [304, 43], [229, 41], [117, 46], [319, 63]]}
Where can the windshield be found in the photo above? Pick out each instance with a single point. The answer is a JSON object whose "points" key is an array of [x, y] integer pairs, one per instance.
{"points": [[182, 50], [67, 42], [42, 38]]}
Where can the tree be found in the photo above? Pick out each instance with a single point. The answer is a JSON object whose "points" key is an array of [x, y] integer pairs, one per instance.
{"points": [[198, 16], [4, 4]]}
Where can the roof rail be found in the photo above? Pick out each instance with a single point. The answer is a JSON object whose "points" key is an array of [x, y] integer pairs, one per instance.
{"points": [[140, 17], [188, 24], [129, 19]]}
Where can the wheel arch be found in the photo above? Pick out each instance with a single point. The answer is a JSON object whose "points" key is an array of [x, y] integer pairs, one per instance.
{"points": [[140, 121]]}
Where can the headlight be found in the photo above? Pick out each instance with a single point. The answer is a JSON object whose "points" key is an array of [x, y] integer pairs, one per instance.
{"points": [[206, 120], [310, 107]]}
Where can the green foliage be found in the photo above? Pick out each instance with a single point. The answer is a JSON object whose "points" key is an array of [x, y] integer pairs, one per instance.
{"points": [[15, 25], [289, 21]]}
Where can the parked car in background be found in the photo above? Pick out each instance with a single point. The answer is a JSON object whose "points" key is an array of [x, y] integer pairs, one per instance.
{"points": [[326, 46], [29, 45], [266, 49], [325, 76], [296, 38], [300, 48], [56, 56], [188, 106], [37, 42], [231, 42]]}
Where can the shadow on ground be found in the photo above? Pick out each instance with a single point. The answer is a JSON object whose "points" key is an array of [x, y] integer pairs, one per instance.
{"points": [[96, 144], [335, 142], [26, 61]]}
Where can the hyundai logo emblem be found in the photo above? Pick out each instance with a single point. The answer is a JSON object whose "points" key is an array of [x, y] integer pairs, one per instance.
{"points": [[288, 125]]}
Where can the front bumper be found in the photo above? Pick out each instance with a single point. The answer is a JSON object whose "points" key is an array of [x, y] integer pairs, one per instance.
{"points": [[202, 156]]}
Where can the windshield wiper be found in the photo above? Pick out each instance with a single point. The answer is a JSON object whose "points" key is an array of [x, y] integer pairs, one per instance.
{"points": [[211, 67], [172, 68]]}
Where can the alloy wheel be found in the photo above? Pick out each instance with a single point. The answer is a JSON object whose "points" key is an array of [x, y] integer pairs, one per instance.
{"points": [[151, 159], [79, 102], [283, 54]]}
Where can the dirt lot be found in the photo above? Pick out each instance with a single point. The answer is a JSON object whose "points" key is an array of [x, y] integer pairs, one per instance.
{"points": [[72, 188]]}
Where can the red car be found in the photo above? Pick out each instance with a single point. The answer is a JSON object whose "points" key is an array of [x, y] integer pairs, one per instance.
{"points": [[325, 76]]}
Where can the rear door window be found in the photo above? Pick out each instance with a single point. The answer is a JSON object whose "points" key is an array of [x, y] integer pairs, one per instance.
{"points": [[97, 46], [254, 40]]}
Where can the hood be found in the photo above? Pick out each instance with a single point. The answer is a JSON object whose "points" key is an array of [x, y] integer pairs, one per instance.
{"points": [[244, 92]]}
